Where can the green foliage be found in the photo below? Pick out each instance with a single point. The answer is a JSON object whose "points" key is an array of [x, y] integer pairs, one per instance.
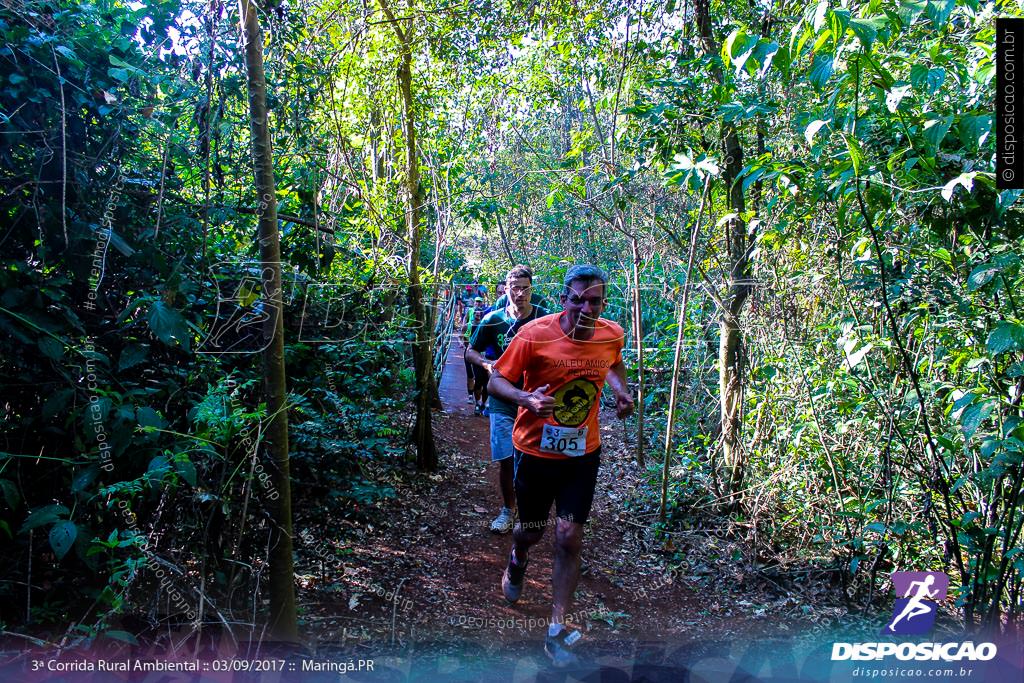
{"points": [[128, 202], [883, 401]]}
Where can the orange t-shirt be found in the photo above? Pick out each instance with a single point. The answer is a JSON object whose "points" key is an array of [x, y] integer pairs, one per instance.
{"points": [[575, 370]]}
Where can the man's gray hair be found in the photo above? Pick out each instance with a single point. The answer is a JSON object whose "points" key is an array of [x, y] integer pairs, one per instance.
{"points": [[585, 272]]}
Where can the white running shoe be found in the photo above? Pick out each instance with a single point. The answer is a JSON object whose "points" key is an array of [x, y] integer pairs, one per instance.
{"points": [[512, 580], [502, 524]]}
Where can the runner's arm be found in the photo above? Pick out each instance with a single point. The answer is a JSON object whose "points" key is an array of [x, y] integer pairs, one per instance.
{"points": [[482, 334], [616, 379], [537, 402], [475, 357], [503, 389]]}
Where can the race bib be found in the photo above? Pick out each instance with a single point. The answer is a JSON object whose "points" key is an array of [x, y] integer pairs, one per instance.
{"points": [[570, 441]]}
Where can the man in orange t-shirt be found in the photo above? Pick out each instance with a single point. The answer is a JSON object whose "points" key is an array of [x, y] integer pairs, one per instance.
{"points": [[554, 370]]}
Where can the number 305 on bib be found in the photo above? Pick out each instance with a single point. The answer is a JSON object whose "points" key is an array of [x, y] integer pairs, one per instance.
{"points": [[570, 441]]}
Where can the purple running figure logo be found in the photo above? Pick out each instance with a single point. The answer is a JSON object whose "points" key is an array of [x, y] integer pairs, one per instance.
{"points": [[917, 598]]}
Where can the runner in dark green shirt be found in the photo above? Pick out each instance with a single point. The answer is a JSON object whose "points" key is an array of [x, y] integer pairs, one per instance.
{"points": [[490, 339]]}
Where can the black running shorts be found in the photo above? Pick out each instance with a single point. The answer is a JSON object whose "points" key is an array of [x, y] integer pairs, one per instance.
{"points": [[569, 483], [480, 376]]}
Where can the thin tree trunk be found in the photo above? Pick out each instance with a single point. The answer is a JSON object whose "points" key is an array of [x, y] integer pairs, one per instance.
{"points": [[163, 179], [670, 427], [638, 335], [443, 221], [376, 153], [283, 624], [680, 335], [423, 435], [504, 239], [205, 139]]}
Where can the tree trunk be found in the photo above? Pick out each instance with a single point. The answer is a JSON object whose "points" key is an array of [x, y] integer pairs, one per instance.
{"points": [[730, 377], [283, 624], [376, 144], [504, 240], [730, 348], [423, 357], [730, 387], [638, 335], [680, 336], [666, 462]]}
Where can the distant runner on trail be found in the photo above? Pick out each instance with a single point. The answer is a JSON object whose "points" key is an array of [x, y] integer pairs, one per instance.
{"points": [[460, 306], [467, 330], [487, 344], [476, 376], [466, 302], [562, 362], [501, 298]]}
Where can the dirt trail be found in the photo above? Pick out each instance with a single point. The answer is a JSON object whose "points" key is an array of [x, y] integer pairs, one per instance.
{"points": [[430, 571]]}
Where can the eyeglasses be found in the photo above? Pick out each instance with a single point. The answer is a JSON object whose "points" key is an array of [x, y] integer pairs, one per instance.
{"points": [[521, 290]]}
